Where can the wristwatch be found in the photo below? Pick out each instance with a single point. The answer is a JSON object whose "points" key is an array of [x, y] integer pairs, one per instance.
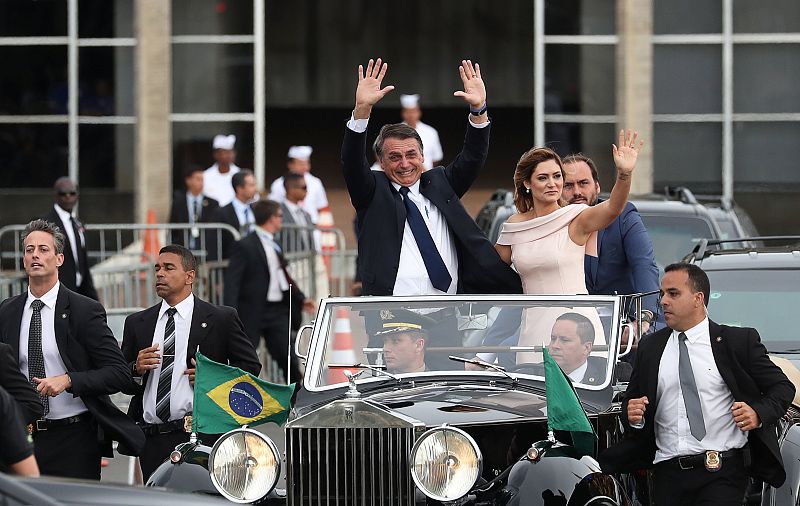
{"points": [[481, 110]]}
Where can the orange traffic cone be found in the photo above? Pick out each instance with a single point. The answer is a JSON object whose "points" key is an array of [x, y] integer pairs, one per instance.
{"points": [[327, 239], [151, 243], [342, 350]]}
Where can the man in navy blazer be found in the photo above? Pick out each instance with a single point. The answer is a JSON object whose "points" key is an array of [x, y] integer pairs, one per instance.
{"points": [[403, 211]]}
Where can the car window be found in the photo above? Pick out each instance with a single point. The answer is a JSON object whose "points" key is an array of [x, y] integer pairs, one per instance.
{"points": [[418, 337], [763, 299], [674, 236]]}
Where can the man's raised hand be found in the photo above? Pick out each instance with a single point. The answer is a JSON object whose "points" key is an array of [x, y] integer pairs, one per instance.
{"points": [[474, 90], [369, 91]]}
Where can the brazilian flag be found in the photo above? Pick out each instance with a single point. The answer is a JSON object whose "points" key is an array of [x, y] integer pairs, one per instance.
{"points": [[564, 410], [225, 398]]}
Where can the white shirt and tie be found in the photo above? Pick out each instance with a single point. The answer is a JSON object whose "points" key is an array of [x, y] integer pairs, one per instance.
{"points": [[412, 275], [181, 391], [277, 278], [245, 215], [673, 435], [65, 404], [66, 219]]}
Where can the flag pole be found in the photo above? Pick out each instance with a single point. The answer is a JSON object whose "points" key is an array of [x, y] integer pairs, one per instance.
{"points": [[289, 339]]}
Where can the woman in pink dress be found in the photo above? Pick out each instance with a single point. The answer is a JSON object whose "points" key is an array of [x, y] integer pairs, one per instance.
{"points": [[546, 240]]}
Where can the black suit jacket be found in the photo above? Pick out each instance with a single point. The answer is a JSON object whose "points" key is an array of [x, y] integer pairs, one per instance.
{"points": [[66, 273], [595, 371], [247, 283], [216, 330], [225, 214], [92, 357], [16, 384], [749, 374], [179, 213], [381, 218]]}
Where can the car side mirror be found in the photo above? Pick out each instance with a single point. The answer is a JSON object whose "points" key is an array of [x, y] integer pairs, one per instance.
{"points": [[303, 341]]}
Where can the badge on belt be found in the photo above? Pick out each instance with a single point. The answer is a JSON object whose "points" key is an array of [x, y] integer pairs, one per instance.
{"points": [[712, 461], [187, 423]]}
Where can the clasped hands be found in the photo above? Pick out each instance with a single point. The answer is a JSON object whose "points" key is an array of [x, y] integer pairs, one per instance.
{"points": [[744, 416], [369, 91]]}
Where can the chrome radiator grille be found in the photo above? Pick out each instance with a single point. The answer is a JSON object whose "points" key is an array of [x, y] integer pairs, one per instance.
{"points": [[349, 466]]}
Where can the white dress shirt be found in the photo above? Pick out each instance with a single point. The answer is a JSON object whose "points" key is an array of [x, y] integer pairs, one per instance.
{"points": [[181, 391], [218, 186], [577, 375], [66, 218], [64, 404], [277, 279], [194, 202], [244, 213], [673, 437], [412, 276], [316, 198]]}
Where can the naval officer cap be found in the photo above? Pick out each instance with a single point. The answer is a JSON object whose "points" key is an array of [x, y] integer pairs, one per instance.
{"points": [[300, 152], [409, 101], [224, 141], [402, 320]]}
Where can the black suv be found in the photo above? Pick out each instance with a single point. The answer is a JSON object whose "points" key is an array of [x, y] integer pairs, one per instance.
{"points": [[675, 220], [755, 287]]}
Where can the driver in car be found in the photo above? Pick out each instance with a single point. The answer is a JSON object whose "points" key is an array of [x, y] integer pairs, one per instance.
{"points": [[404, 335], [571, 341]]}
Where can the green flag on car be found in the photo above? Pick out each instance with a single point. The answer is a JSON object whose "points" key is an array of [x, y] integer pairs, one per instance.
{"points": [[225, 398], [564, 410]]}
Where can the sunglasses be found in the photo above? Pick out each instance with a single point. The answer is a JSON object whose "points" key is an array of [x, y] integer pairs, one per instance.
{"points": [[64, 194]]}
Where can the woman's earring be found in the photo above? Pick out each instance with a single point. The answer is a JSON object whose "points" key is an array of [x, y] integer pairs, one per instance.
{"points": [[527, 190]]}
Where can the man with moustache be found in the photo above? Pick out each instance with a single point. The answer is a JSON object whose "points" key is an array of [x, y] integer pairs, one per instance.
{"points": [[702, 403]]}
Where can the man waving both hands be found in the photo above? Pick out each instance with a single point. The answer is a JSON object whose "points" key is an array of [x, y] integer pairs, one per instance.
{"points": [[415, 237]]}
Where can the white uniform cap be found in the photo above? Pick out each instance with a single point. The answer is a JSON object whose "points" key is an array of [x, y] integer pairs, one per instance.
{"points": [[300, 152], [224, 141], [409, 101]]}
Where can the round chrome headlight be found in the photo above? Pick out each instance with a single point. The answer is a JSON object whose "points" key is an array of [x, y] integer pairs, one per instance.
{"points": [[445, 463], [244, 465]]}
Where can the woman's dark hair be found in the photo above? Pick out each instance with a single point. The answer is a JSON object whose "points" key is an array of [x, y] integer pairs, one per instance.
{"points": [[525, 167]]}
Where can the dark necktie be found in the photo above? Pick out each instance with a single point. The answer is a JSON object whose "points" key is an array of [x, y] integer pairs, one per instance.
{"points": [[77, 231], [167, 361], [196, 210], [245, 228], [437, 270], [691, 398], [35, 355]]}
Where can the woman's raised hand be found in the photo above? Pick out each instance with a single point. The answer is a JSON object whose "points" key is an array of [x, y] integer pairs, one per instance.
{"points": [[627, 152]]}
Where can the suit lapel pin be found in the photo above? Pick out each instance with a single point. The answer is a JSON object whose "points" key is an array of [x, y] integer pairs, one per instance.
{"points": [[204, 324], [64, 316], [719, 339]]}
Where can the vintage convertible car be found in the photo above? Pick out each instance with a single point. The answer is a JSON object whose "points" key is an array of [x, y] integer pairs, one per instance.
{"points": [[469, 426]]}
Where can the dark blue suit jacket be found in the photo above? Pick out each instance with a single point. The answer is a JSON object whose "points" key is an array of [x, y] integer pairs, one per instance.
{"points": [[625, 263], [381, 218]]}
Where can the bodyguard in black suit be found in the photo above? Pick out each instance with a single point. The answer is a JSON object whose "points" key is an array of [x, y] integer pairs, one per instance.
{"points": [[160, 344], [191, 206], [66, 349], [428, 230], [259, 286], [702, 403], [74, 272]]}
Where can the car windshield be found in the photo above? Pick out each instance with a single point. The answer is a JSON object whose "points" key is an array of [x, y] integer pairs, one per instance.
{"points": [[674, 236], [416, 336], [763, 299]]}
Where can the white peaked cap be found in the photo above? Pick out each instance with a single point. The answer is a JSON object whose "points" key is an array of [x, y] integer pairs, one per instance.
{"points": [[409, 101], [300, 152], [224, 141]]}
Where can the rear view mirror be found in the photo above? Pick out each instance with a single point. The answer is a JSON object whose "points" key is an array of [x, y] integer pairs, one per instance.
{"points": [[303, 341]]}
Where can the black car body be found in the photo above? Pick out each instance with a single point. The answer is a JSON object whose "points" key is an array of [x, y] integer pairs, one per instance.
{"points": [[364, 436]]}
